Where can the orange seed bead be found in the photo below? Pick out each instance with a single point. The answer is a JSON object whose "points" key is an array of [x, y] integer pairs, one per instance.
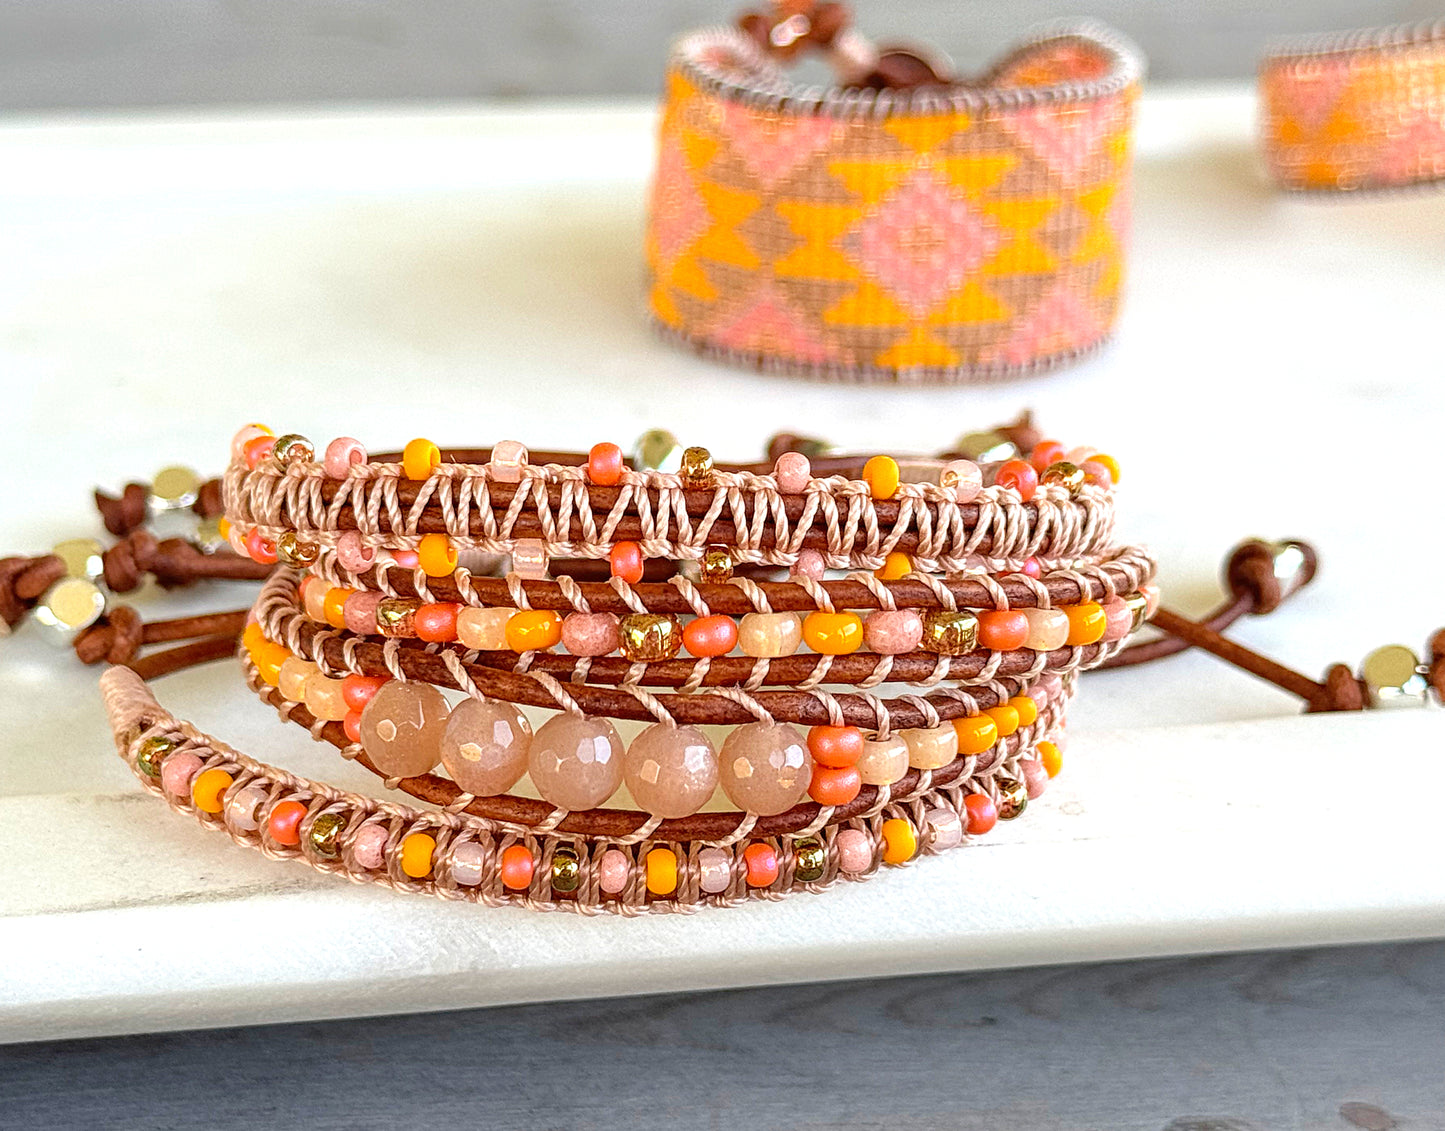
{"points": [[1005, 718], [419, 459], [605, 464], [835, 785], [332, 604], [436, 555], [1002, 630], [416, 854], [835, 746], [662, 871], [534, 630], [1028, 710], [625, 560], [517, 867], [208, 787], [833, 634], [436, 623], [882, 476], [976, 734], [900, 841], [762, 863], [1087, 623], [284, 822], [1052, 758]]}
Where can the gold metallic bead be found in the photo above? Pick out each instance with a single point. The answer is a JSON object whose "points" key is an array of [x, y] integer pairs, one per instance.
{"points": [[566, 871], [293, 551], [986, 447], [696, 469], [949, 634], [1013, 797], [647, 637], [152, 753], [396, 616], [1393, 677], [1138, 606], [1065, 474], [71, 604], [208, 537], [325, 835], [174, 489], [82, 557], [717, 565], [809, 861], [657, 450], [292, 448]]}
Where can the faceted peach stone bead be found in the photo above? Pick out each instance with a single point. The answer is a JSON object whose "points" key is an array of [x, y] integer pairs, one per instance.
{"points": [[484, 630], [401, 728], [324, 699], [485, 746], [671, 771], [770, 635], [576, 763], [766, 768], [884, 761], [932, 747], [293, 676], [1048, 629], [892, 632]]}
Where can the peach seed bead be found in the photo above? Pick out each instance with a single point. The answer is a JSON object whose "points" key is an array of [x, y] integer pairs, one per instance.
{"points": [[508, 459], [485, 744], [671, 771], [359, 612], [892, 632], [895, 565], [882, 476], [467, 860], [714, 870], [291, 679], [575, 763], [207, 789], [342, 454], [402, 726], [613, 871], [1087, 623], [945, 829], [809, 564], [964, 478], [930, 748], [884, 760], [352, 554], [333, 606], [590, 634], [770, 635], [1118, 619], [177, 771], [241, 809], [484, 630], [534, 630], [855, 851], [833, 634], [1026, 708], [313, 599], [1048, 629], [662, 871], [975, 734], [324, 698], [1005, 718], [1049, 754], [416, 854], [900, 842], [245, 436], [420, 458], [517, 867], [368, 848], [605, 465], [793, 472], [765, 768]]}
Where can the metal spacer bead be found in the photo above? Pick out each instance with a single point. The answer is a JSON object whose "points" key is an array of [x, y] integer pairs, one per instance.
{"points": [[649, 637], [152, 753], [293, 448], [717, 565], [396, 616], [949, 633], [809, 861], [1013, 797], [293, 551], [1393, 677], [566, 871], [325, 835], [1065, 474], [696, 470]]}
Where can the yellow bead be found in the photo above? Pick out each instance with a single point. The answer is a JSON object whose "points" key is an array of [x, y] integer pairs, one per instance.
{"points": [[1051, 757], [894, 566], [251, 636], [268, 658], [207, 789], [223, 526], [881, 475], [1028, 710], [976, 734], [1087, 623], [416, 854], [1005, 718], [900, 842], [419, 459], [833, 634], [1109, 462], [436, 556], [534, 630], [333, 604], [662, 871]]}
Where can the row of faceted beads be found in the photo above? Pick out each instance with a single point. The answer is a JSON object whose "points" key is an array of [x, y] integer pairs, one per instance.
{"points": [[486, 745], [180, 774]]}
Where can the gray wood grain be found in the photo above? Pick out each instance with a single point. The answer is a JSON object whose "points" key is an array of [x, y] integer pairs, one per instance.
{"points": [[1320, 1039], [84, 53]]}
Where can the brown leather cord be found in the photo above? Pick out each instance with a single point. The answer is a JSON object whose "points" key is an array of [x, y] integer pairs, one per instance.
{"points": [[131, 509], [117, 640]]}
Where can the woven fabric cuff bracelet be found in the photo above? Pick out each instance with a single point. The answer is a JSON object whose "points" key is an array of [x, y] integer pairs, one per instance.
{"points": [[951, 232]]}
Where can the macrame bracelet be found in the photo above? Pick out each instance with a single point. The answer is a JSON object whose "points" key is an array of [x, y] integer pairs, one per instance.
{"points": [[1360, 110], [903, 226]]}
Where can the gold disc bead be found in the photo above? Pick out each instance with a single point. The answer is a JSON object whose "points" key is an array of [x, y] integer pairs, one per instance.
{"points": [[809, 861], [292, 448], [174, 489], [648, 637], [152, 753], [566, 871], [293, 551], [697, 469], [68, 606], [657, 450], [1394, 677], [83, 558], [717, 565], [1013, 797], [1065, 474], [949, 633], [325, 836], [396, 616]]}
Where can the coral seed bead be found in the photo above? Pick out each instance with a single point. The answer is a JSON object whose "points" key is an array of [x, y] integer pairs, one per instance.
{"points": [[1046, 452], [436, 623], [258, 448], [436, 555], [416, 855], [419, 459], [762, 864], [208, 788], [833, 634], [981, 812], [261, 548], [357, 690], [517, 867], [835, 746], [284, 823], [1005, 718], [900, 841], [1002, 630], [625, 559], [1020, 476], [352, 726], [714, 635], [662, 871], [605, 464], [1026, 708], [975, 734], [1087, 623], [1052, 758], [882, 476], [835, 785], [534, 630]]}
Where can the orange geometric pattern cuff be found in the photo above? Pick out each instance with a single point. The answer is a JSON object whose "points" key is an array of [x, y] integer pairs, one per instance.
{"points": [[1362, 110], [945, 233]]}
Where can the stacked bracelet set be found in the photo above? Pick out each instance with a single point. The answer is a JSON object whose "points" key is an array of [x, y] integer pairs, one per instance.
{"points": [[779, 601]]}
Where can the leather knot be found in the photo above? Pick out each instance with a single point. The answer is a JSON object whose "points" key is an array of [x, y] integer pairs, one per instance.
{"points": [[126, 513], [1251, 572], [116, 638], [1340, 691]]}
